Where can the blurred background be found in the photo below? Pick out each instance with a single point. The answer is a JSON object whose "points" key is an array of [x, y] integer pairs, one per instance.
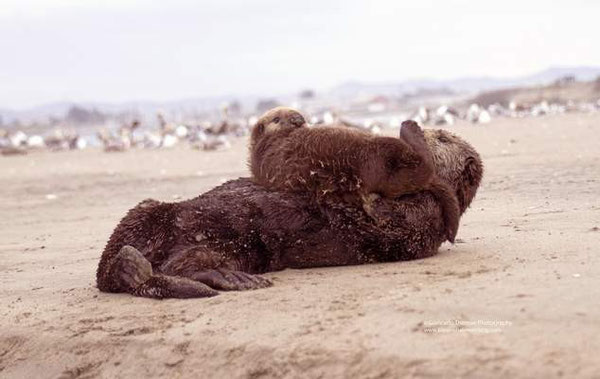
{"points": [[128, 73]]}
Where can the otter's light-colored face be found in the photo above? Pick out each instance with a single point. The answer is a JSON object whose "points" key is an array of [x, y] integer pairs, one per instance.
{"points": [[278, 119], [450, 153], [456, 162]]}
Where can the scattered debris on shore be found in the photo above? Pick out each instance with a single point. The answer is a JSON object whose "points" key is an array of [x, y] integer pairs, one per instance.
{"points": [[211, 136]]}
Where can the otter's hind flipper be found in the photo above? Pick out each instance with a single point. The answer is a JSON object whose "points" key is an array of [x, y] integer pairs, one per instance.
{"points": [[229, 280], [205, 265], [413, 135], [134, 275], [164, 286]]}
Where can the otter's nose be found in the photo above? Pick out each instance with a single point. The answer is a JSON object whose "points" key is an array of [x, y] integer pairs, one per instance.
{"points": [[297, 120]]}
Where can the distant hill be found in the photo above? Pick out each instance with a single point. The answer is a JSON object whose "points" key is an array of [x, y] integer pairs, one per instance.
{"points": [[554, 73], [466, 85], [210, 106], [555, 92]]}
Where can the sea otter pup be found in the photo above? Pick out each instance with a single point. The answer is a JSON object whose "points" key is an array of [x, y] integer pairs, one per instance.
{"points": [[221, 239], [343, 163]]}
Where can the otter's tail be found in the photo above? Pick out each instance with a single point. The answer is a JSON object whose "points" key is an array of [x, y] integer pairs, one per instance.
{"points": [[129, 271], [450, 206]]}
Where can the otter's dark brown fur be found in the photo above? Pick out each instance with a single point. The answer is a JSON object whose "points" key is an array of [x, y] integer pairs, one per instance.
{"points": [[221, 239], [285, 155]]}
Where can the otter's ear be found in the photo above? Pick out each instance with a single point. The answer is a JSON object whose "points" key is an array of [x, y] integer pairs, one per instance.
{"points": [[472, 172], [471, 177]]}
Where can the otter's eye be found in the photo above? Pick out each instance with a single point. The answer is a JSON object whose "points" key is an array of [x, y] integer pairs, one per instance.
{"points": [[276, 120]]}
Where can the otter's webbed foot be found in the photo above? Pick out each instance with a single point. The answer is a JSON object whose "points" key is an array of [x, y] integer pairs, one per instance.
{"points": [[135, 275], [229, 280], [164, 286]]}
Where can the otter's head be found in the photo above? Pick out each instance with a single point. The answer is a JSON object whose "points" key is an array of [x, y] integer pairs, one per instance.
{"points": [[276, 119], [395, 167], [457, 163]]}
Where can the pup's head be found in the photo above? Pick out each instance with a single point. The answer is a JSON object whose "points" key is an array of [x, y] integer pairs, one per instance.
{"points": [[280, 118]]}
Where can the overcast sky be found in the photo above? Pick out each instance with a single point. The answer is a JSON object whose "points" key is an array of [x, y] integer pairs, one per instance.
{"points": [[120, 50]]}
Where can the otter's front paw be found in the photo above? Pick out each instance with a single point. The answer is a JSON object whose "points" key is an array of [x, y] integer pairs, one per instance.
{"points": [[370, 204]]}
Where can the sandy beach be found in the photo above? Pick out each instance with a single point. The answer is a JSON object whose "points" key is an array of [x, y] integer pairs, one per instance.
{"points": [[516, 296]]}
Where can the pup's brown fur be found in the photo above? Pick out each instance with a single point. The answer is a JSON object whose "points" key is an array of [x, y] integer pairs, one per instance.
{"points": [[220, 239], [286, 155], [345, 163]]}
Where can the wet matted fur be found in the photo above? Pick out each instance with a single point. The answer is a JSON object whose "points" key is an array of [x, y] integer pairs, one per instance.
{"points": [[221, 239]]}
